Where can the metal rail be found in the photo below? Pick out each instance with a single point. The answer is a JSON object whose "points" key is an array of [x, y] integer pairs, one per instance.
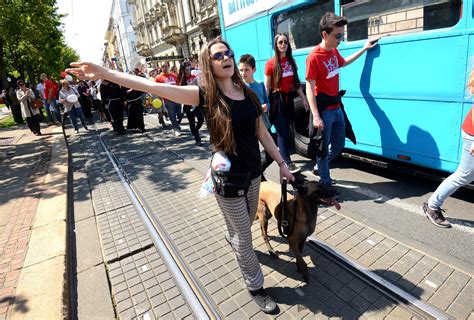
{"points": [[198, 298], [201, 306], [411, 303]]}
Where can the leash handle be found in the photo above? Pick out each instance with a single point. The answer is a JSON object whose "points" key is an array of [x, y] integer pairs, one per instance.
{"points": [[283, 224]]}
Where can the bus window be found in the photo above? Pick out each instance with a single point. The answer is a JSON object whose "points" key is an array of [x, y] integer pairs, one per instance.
{"points": [[373, 18], [302, 24]]}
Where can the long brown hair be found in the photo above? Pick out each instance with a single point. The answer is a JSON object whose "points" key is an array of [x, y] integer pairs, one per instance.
{"points": [[277, 72], [182, 74], [218, 110]]}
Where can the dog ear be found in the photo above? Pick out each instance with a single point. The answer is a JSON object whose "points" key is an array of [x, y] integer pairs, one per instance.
{"points": [[301, 188]]}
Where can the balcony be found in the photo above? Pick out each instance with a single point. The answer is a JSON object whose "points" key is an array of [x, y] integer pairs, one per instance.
{"points": [[142, 49], [172, 35], [206, 12]]}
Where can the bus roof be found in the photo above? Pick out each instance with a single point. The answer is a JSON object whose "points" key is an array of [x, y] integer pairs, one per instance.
{"points": [[235, 11]]}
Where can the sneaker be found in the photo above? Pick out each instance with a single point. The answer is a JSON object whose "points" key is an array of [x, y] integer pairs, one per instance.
{"points": [[263, 300], [435, 216], [199, 144], [316, 173], [293, 168], [177, 134]]}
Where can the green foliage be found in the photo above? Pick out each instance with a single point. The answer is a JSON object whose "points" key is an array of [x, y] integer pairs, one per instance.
{"points": [[7, 122], [32, 40]]}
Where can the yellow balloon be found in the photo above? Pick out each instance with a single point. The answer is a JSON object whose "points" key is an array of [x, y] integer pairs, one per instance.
{"points": [[157, 103]]}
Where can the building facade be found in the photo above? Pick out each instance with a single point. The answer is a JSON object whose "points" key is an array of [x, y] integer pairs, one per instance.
{"points": [[173, 30], [120, 40]]}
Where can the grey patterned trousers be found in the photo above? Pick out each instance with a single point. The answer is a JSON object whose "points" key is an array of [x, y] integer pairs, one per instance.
{"points": [[239, 214]]}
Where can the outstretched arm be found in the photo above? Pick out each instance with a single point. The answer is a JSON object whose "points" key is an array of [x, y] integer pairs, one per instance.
{"points": [[368, 45], [188, 95]]}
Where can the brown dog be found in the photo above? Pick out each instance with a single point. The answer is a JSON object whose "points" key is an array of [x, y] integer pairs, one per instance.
{"points": [[302, 211]]}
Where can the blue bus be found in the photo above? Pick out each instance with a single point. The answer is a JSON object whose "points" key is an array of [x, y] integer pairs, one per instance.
{"points": [[406, 98]]}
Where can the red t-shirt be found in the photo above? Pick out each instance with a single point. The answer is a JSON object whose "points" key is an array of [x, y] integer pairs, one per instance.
{"points": [[55, 90], [48, 84], [169, 78], [468, 125], [323, 67], [191, 79], [286, 83]]}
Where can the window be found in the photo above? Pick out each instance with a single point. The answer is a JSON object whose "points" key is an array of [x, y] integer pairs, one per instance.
{"points": [[302, 24], [370, 18]]}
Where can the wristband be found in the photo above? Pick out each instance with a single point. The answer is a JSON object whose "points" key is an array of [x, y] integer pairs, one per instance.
{"points": [[282, 162]]}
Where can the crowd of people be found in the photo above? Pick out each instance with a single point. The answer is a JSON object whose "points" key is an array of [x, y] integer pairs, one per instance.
{"points": [[240, 113], [110, 101]]}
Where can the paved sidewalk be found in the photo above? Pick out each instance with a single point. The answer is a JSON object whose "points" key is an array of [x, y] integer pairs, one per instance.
{"points": [[140, 285], [32, 177]]}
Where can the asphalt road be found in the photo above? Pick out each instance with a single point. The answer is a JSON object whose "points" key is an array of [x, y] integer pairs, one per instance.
{"points": [[390, 202]]}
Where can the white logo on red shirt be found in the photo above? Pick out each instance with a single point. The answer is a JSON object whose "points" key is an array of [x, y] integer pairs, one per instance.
{"points": [[170, 80], [332, 67], [287, 70]]}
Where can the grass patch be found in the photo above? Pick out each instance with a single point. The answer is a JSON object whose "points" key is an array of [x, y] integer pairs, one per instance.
{"points": [[7, 122]]}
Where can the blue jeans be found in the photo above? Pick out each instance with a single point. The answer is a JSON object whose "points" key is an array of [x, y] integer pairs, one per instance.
{"points": [[52, 108], [334, 139], [173, 110], [463, 175], [73, 114], [282, 127]]}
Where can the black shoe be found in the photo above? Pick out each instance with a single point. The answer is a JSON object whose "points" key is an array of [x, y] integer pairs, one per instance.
{"points": [[315, 172], [264, 301], [199, 144]]}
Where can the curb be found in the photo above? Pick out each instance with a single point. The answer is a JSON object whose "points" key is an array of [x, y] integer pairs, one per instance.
{"points": [[42, 287]]}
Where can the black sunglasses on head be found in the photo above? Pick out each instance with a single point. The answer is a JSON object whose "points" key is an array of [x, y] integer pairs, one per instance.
{"points": [[21, 84], [219, 56]]}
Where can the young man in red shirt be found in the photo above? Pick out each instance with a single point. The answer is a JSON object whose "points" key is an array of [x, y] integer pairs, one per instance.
{"points": [[322, 87], [50, 100], [173, 108]]}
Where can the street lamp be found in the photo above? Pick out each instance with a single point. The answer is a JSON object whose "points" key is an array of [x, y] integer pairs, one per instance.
{"points": [[121, 45]]}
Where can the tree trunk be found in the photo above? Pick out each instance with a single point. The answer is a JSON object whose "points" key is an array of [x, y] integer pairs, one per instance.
{"points": [[31, 77], [3, 69]]}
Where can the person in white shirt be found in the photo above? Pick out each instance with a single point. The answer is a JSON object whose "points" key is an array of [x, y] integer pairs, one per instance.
{"points": [[73, 108]]}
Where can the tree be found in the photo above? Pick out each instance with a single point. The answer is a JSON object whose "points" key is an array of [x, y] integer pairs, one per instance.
{"points": [[31, 40]]}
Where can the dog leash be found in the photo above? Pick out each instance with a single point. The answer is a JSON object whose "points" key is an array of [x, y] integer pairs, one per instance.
{"points": [[284, 227]]}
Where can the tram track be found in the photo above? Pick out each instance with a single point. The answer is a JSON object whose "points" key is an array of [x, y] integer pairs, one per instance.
{"points": [[197, 299], [193, 291]]}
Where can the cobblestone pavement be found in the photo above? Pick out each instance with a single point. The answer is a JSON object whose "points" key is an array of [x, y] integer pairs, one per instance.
{"points": [[24, 160], [167, 175]]}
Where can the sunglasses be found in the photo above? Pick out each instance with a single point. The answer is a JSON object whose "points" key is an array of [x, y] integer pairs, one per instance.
{"points": [[283, 42], [219, 56], [339, 36], [21, 84]]}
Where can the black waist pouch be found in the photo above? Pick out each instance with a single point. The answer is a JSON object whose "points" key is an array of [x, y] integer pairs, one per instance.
{"points": [[231, 184]]}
